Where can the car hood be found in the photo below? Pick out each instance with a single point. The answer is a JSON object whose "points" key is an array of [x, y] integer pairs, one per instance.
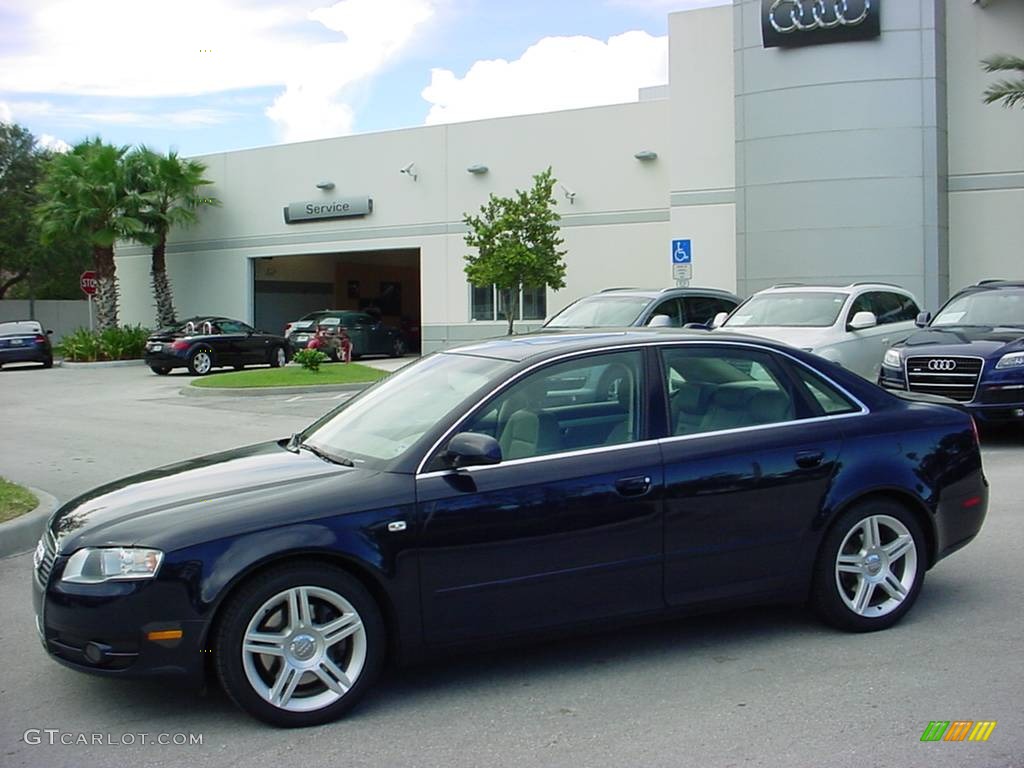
{"points": [[220, 495], [804, 338], [964, 340]]}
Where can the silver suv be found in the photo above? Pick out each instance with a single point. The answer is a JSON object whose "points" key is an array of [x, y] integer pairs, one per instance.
{"points": [[621, 307], [852, 325]]}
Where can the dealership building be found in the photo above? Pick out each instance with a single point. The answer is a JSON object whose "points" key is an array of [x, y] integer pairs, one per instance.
{"points": [[794, 142]]}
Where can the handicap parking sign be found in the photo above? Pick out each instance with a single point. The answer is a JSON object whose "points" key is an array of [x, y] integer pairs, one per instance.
{"points": [[682, 252]]}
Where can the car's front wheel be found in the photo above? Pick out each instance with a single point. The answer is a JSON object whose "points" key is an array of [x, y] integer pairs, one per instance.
{"points": [[870, 568], [200, 362], [397, 347], [299, 645], [160, 370], [278, 357]]}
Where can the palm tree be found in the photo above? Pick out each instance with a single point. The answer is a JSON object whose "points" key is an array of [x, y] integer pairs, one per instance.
{"points": [[1010, 92], [164, 190], [84, 194]]}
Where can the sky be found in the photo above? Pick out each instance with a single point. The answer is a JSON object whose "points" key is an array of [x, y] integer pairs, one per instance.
{"points": [[202, 76]]}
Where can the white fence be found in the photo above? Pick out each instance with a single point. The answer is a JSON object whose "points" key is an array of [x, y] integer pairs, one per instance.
{"points": [[62, 317]]}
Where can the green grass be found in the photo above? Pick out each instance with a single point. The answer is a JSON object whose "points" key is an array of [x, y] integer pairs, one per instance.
{"points": [[15, 500], [292, 376]]}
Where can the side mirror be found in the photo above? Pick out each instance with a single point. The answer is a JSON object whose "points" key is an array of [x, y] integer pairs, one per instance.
{"points": [[863, 320], [49, 333], [659, 321], [719, 320], [470, 449], [923, 319]]}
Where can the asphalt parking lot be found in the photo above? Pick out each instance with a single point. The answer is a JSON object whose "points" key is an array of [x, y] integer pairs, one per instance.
{"points": [[761, 687]]}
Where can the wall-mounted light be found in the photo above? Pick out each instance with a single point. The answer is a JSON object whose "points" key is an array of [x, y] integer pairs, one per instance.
{"points": [[477, 170], [410, 170], [325, 185], [569, 194], [646, 155]]}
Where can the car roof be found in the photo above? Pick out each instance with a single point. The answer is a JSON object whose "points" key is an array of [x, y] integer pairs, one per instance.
{"points": [[654, 293], [992, 285], [849, 288], [543, 345]]}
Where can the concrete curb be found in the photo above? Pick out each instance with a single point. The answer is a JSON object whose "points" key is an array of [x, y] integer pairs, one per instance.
{"points": [[190, 391], [102, 364], [21, 534]]}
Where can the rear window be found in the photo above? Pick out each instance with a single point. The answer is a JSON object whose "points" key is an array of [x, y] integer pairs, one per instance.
{"points": [[20, 327]]}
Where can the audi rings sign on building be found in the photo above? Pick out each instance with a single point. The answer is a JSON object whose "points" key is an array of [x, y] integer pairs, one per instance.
{"points": [[939, 366], [813, 22]]}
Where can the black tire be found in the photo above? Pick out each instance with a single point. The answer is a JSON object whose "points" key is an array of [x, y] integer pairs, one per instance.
{"points": [[333, 354], [48, 362], [159, 370], [201, 361], [249, 606], [837, 597], [397, 347], [278, 357]]}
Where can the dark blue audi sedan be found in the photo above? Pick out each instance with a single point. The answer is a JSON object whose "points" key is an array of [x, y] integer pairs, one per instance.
{"points": [[972, 351], [505, 489]]}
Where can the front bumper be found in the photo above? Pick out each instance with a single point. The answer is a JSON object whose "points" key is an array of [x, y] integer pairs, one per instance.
{"points": [[999, 397], [102, 628]]}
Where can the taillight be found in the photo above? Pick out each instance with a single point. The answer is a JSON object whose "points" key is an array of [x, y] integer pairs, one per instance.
{"points": [[40, 339], [179, 345], [287, 327]]}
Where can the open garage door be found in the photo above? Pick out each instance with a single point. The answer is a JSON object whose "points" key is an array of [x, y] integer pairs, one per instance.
{"points": [[384, 284]]}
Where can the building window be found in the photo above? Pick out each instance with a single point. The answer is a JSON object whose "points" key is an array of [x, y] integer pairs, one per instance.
{"points": [[490, 303]]}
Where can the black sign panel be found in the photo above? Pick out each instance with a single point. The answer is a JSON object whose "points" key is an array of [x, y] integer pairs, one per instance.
{"points": [[789, 23]]}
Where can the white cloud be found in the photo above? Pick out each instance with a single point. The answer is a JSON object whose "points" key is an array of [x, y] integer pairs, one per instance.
{"points": [[53, 144], [554, 73], [6, 116], [667, 6], [164, 48]]}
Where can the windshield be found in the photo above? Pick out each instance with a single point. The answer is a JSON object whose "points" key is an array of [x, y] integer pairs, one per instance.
{"points": [[600, 312], [389, 418], [789, 310], [988, 308]]}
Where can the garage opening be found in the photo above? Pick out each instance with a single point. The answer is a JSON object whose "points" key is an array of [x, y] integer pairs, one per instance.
{"points": [[384, 284]]}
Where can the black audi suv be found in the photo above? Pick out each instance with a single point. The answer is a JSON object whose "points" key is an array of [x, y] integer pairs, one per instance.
{"points": [[509, 488]]}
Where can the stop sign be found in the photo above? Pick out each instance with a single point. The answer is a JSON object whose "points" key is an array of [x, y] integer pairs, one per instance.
{"points": [[88, 283]]}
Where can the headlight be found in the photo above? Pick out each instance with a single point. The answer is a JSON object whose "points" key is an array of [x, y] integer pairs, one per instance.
{"points": [[1012, 360], [93, 566], [892, 359]]}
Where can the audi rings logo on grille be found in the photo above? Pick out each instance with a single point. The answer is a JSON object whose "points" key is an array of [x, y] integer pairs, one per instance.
{"points": [[811, 22], [942, 365]]}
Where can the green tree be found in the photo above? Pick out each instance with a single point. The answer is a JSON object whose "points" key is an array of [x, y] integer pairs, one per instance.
{"points": [[1009, 91], [517, 243], [84, 194], [165, 194]]}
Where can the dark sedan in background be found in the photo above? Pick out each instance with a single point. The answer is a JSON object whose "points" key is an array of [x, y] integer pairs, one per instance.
{"points": [[512, 487], [369, 336], [972, 351], [25, 341], [204, 343]]}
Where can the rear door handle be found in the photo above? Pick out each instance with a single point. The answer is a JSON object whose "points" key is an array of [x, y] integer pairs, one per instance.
{"points": [[633, 486], [809, 459]]}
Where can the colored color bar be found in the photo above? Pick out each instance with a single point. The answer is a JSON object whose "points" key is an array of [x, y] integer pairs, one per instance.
{"points": [[982, 730], [958, 730], [935, 730]]}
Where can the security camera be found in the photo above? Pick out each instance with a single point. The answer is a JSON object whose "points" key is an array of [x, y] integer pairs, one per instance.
{"points": [[409, 170], [569, 194]]}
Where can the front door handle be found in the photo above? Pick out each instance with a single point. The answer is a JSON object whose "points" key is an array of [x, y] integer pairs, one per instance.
{"points": [[633, 486], [809, 459]]}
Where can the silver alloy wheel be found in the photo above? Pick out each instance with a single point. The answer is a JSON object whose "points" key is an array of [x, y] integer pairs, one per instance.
{"points": [[304, 649], [281, 356], [202, 362], [876, 566]]}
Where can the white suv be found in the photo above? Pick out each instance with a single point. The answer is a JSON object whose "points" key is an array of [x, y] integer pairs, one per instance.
{"points": [[852, 325]]}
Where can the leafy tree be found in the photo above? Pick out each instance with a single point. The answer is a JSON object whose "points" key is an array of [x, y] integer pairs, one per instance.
{"points": [[84, 194], [517, 241], [164, 195], [1009, 91]]}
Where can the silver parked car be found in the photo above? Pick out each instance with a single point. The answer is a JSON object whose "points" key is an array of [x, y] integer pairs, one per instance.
{"points": [[852, 325]]}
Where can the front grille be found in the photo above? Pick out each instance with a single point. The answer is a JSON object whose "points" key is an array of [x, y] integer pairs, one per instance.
{"points": [[947, 375], [48, 558]]}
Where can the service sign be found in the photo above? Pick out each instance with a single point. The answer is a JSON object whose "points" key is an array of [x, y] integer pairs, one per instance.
{"points": [[789, 23], [338, 208]]}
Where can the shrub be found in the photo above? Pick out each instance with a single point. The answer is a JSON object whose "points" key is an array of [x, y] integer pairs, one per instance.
{"points": [[310, 359], [125, 343]]}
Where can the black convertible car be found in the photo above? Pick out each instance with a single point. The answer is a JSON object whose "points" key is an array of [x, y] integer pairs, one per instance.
{"points": [[204, 343], [506, 488]]}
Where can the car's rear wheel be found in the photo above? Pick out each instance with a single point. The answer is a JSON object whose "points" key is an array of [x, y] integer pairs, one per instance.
{"points": [[48, 362], [159, 370], [299, 645], [278, 357], [200, 362], [870, 568]]}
